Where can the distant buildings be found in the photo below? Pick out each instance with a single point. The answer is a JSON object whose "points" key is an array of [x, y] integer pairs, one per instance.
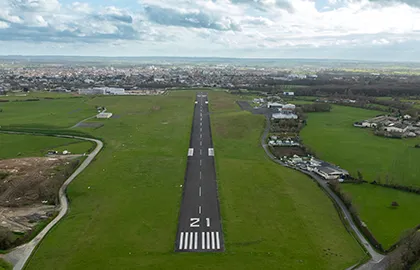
{"points": [[102, 91], [288, 93], [284, 111]]}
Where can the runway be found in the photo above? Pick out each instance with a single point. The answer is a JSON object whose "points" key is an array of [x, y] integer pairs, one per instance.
{"points": [[199, 225]]}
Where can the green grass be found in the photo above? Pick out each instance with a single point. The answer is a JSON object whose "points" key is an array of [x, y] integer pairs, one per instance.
{"points": [[60, 113], [273, 218], [5, 265], [77, 148], [18, 146], [374, 206], [39, 95], [334, 139]]}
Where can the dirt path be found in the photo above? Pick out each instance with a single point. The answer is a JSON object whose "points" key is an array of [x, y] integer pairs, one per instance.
{"points": [[20, 255]]}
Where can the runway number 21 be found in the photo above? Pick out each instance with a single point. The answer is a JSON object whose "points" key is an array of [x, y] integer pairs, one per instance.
{"points": [[195, 222]]}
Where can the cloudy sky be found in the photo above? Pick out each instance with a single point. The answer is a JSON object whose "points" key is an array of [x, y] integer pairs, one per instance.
{"points": [[346, 29]]}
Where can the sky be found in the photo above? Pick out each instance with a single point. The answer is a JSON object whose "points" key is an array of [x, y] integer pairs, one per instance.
{"points": [[386, 30]]}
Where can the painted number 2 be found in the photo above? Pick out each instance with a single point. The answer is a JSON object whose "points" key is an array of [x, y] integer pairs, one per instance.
{"points": [[194, 222]]}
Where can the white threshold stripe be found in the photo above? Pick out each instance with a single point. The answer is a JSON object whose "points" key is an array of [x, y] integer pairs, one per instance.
{"points": [[191, 240], [212, 240], [181, 240], [217, 240], [195, 240], [186, 241]]}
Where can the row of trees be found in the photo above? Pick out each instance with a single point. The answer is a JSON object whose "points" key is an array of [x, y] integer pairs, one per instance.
{"points": [[316, 107], [346, 198]]}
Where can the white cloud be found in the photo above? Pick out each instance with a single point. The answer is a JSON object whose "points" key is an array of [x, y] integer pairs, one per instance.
{"points": [[176, 27]]}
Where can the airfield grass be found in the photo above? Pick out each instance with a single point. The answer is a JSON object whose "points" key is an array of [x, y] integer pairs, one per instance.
{"points": [[273, 218], [374, 206], [18, 146], [47, 113], [37, 94], [334, 139]]}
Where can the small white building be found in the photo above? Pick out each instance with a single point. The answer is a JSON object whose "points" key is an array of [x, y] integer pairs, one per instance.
{"points": [[284, 116], [104, 115], [289, 93]]}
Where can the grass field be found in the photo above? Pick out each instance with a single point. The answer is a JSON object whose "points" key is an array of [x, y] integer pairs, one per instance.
{"points": [[47, 113], [374, 206], [333, 138], [18, 146], [273, 218]]}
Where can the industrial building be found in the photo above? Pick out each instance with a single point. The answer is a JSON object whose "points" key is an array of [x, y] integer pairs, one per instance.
{"points": [[102, 91]]}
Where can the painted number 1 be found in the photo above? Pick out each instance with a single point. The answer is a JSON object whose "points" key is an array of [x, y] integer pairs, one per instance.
{"points": [[194, 222]]}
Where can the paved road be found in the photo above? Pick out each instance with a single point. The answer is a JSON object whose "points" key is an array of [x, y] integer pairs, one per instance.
{"points": [[20, 255], [376, 257], [199, 225]]}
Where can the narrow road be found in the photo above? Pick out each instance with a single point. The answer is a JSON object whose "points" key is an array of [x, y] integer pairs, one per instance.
{"points": [[376, 257], [20, 255], [199, 225]]}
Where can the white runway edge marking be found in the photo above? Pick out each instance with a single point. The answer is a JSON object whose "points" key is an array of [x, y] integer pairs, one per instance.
{"points": [[191, 240], [211, 152], [190, 152]]}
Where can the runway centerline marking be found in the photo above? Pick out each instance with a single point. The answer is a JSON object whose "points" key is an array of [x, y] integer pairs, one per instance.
{"points": [[201, 136], [201, 152], [200, 174], [201, 143], [199, 191], [199, 209], [201, 162]]}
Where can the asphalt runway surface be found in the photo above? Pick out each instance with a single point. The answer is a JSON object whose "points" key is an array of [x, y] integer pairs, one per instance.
{"points": [[199, 225]]}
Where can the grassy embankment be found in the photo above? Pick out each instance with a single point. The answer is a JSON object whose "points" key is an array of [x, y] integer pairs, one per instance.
{"points": [[18, 146], [333, 138], [273, 217]]}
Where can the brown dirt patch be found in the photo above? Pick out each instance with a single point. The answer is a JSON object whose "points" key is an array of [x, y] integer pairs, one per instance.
{"points": [[29, 192], [27, 181]]}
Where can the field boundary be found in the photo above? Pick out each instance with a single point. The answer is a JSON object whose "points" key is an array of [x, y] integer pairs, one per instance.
{"points": [[19, 256], [376, 257]]}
